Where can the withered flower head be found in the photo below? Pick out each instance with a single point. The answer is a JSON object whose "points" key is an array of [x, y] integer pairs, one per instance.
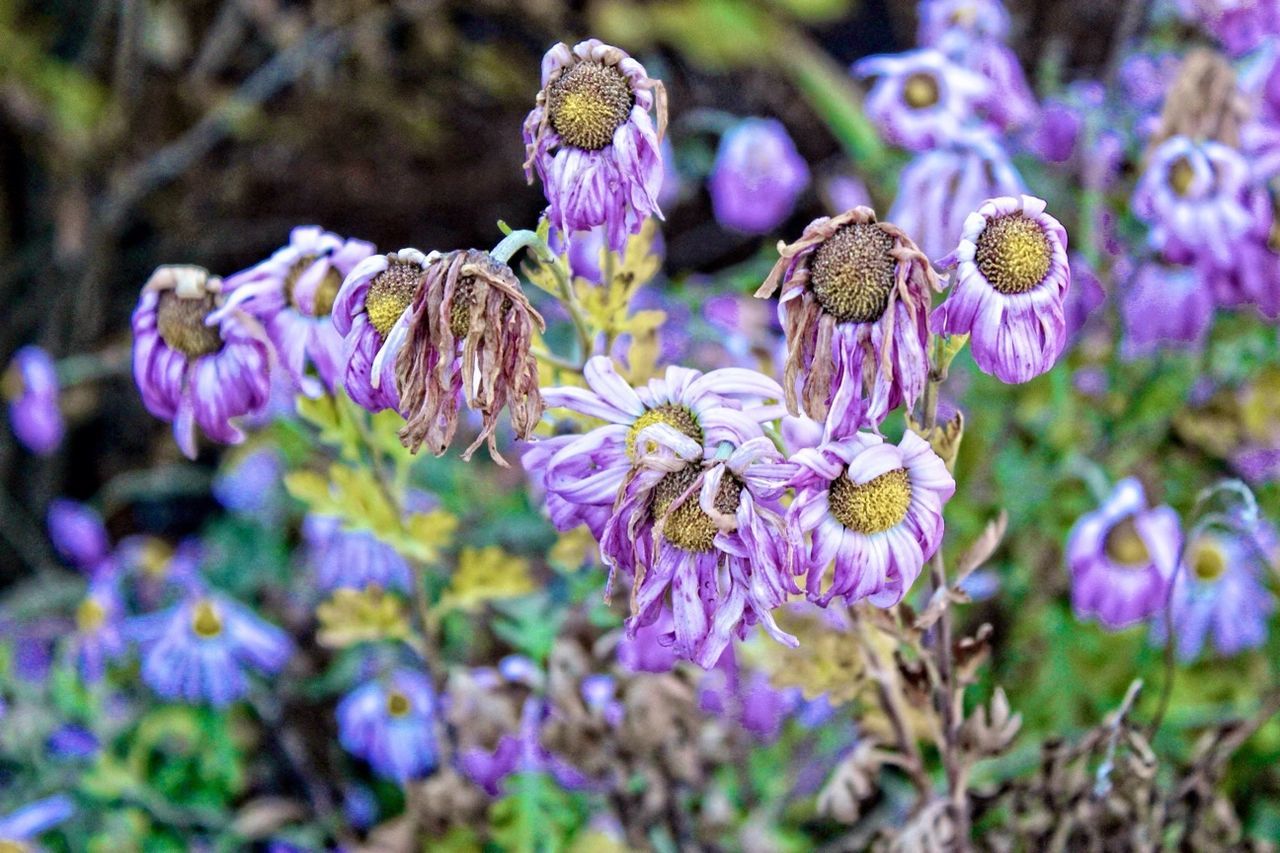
{"points": [[855, 302], [469, 332]]}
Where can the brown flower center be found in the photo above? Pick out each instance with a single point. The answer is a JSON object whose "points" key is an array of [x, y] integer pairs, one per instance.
{"points": [[390, 294], [852, 274], [205, 621], [464, 297], [1013, 254], [920, 90], [673, 415], [398, 704], [588, 103], [90, 615], [1208, 559], [1124, 546], [871, 507], [686, 526], [1181, 175], [326, 291], [181, 324]]}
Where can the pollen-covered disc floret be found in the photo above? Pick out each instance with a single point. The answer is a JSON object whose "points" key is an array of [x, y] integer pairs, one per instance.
{"points": [[592, 142], [371, 314], [581, 476], [1010, 284], [1122, 558], [466, 338], [920, 99], [292, 294], [872, 512], [855, 307], [195, 363], [709, 530]]}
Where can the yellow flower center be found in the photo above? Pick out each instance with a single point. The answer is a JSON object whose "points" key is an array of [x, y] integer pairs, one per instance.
{"points": [[675, 416], [205, 621], [398, 704], [1014, 253], [588, 103], [872, 507], [90, 615], [686, 526], [1181, 175], [1208, 558], [326, 291], [1124, 546], [181, 324], [852, 274], [920, 90], [390, 294], [460, 310], [7, 846]]}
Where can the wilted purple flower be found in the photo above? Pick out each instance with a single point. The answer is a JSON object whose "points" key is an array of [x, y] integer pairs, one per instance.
{"points": [[292, 293], [198, 650], [920, 99], [939, 189], [352, 558], [757, 176], [20, 829], [713, 536], [1193, 195], [1163, 307], [855, 302], [1122, 558], [251, 484], [78, 534], [31, 387], [192, 369], [1221, 591], [592, 142], [1011, 279], [873, 508], [1239, 25], [99, 635], [583, 474], [391, 724]]}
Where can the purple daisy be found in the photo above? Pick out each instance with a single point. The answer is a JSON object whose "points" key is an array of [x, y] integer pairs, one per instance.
{"points": [[391, 724], [1010, 283], [592, 142], [872, 508], [20, 829], [99, 636], [31, 387], [710, 534], [1122, 557], [198, 650], [194, 370], [938, 189], [1194, 196], [855, 301], [582, 475], [352, 558], [920, 99], [1163, 307], [292, 293], [1221, 592], [371, 312], [757, 176]]}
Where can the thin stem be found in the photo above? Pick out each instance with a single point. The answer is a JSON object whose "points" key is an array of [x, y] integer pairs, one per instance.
{"points": [[544, 354], [514, 242], [517, 240]]}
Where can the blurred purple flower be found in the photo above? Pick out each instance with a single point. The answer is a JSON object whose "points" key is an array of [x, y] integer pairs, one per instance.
{"points": [[198, 650], [1056, 133], [1239, 25], [1162, 307], [251, 484], [1122, 557], [352, 558], [391, 724], [747, 697], [649, 648], [99, 636], [22, 827], [757, 176], [519, 753], [920, 99], [974, 19], [73, 742], [845, 192], [1084, 296], [78, 534], [31, 386]]}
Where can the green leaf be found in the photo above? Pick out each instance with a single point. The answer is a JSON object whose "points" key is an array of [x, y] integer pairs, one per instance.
{"points": [[535, 816]]}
